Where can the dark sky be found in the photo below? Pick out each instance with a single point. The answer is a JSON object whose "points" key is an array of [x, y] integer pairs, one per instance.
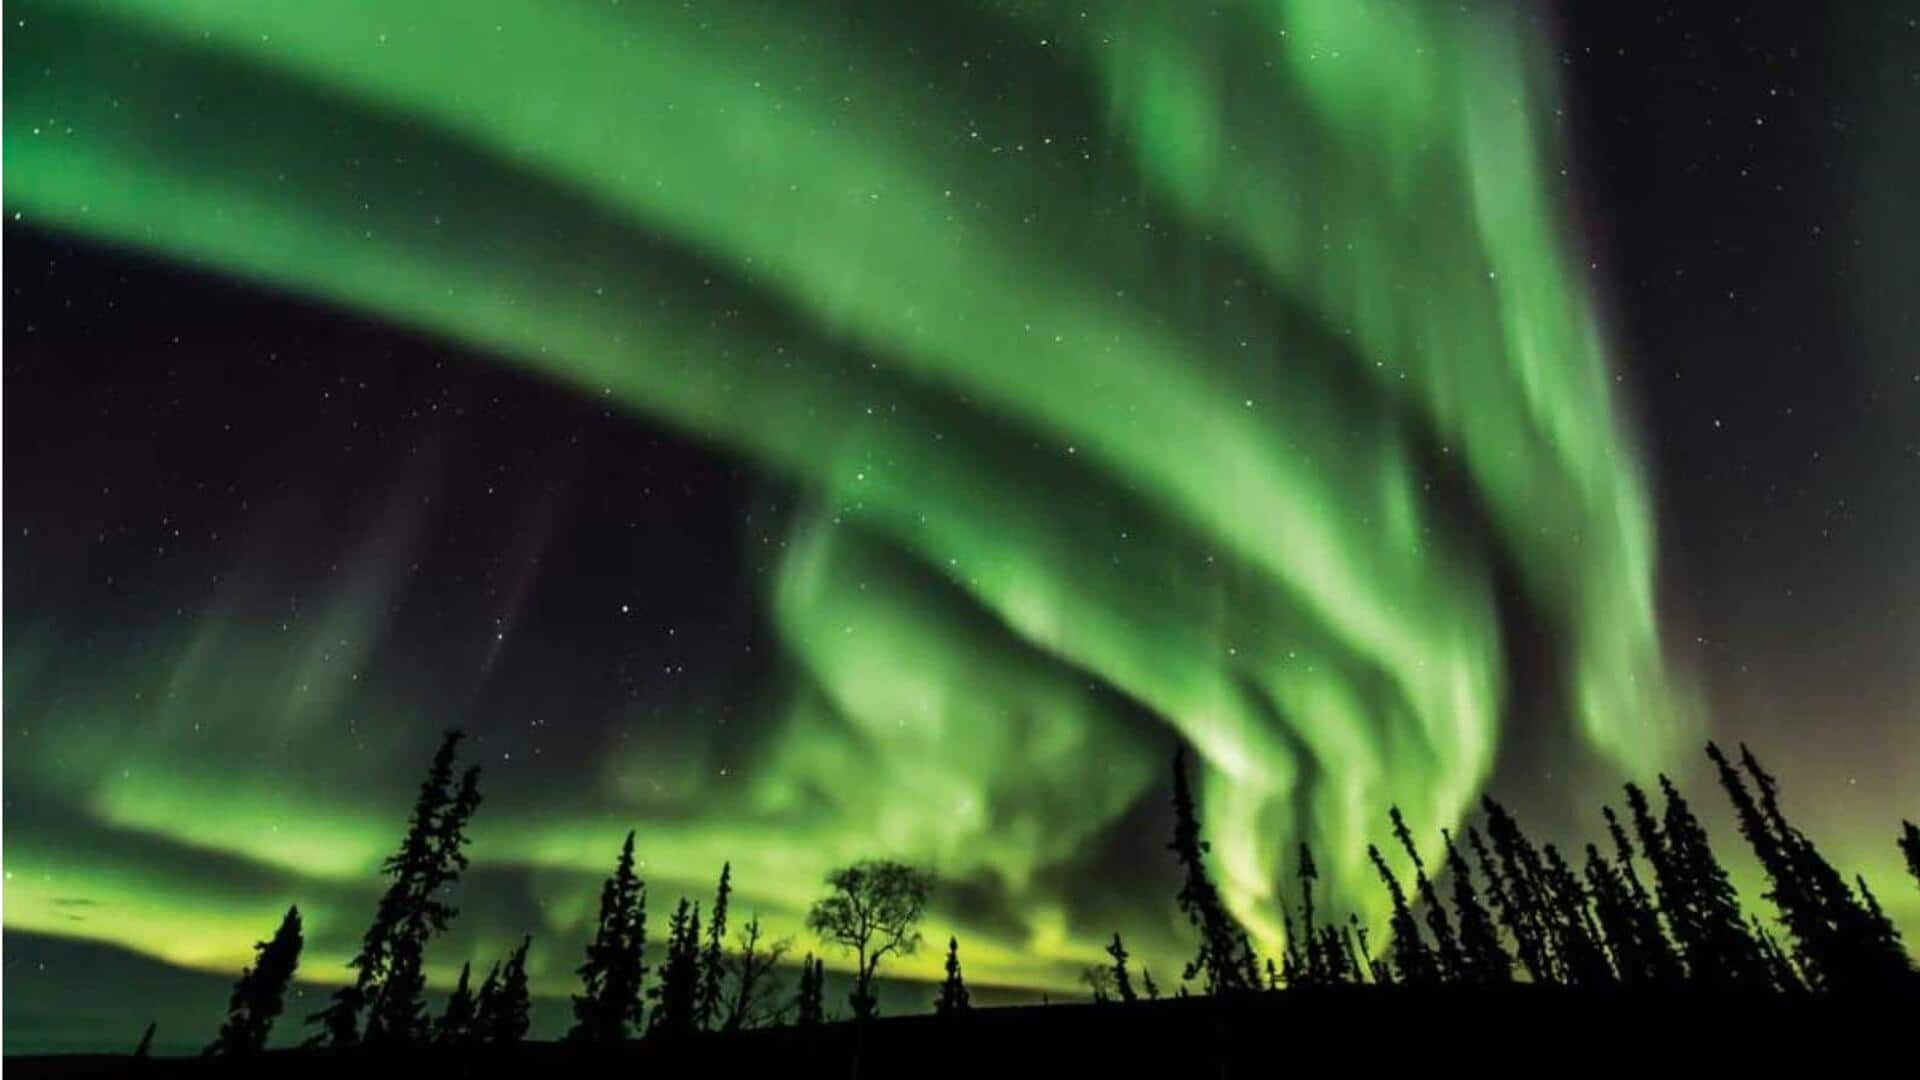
{"points": [[196, 462], [1749, 182]]}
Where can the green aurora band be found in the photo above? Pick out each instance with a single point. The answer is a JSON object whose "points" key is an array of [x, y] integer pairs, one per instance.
{"points": [[1112, 385]]}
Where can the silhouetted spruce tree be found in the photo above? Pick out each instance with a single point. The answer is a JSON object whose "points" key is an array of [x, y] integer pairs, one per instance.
{"points": [[1333, 956], [609, 1008], [143, 1049], [1697, 896], [1526, 908], [713, 959], [1786, 977], [953, 990], [483, 1007], [1526, 949], [1321, 961], [1122, 979], [455, 1027], [1446, 948], [1483, 960], [1883, 941], [1910, 848], [1670, 884], [1303, 965], [1613, 911], [1413, 962], [809, 999], [504, 1009], [1224, 956], [261, 992], [1840, 940], [1659, 959], [1576, 937], [388, 970], [1356, 970], [1148, 986], [1377, 970], [677, 996], [398, 1012], [1292, 957], [1817, 936]]}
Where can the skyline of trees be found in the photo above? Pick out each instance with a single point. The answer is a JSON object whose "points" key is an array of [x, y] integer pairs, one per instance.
{"points": [[1526, 915]]}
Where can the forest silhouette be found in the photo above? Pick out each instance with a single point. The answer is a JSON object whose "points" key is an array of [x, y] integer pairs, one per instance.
{"points": [[1646, 919]]}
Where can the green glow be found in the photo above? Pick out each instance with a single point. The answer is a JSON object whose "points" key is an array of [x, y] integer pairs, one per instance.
{"points": [[1096, 426]]}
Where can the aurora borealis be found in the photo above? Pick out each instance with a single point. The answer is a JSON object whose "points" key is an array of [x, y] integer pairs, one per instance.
{"points": [[1014, 389]]}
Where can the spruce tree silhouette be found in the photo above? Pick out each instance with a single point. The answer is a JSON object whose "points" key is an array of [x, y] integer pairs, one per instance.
{"points": [[1613, 911], [484, 1005], [1697, 896], [1671, 887], [1659, 959], [1483, 960], [261, 992], [1522, 880], [1583, 962], [1527, 944], [874, 909], [1148, 986], [1377, 970], [455, 1027], [1331, 953], [505, 1006], [398, 1011], [953, 996], [1357, 971], [1816, 944], [1448, 962], [676, 1010], [389, 977], [1883, 942], [713, 959], [1224, 956], [752, 964], [1318, 959], [1910, 848], [1293, 961], [1413, 962], [1122, 981], [609, 1007], [809, 999], [1786, 977], [143, 1049]]}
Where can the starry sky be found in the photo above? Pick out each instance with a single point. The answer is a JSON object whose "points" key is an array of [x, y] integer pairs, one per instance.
{"points": [[804, 432]]}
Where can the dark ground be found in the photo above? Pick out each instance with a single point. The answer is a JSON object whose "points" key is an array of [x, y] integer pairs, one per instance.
{"points": [[1524, 1030]]}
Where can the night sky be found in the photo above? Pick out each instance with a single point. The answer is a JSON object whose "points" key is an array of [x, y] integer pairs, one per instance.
{"points": [[806, 432]]}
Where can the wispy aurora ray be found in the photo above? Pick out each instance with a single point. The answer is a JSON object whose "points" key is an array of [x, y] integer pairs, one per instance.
{"points": [[1110, 382]]}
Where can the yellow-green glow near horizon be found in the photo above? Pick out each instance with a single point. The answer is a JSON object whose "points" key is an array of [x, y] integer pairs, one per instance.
{"points": [[1100, 427]]}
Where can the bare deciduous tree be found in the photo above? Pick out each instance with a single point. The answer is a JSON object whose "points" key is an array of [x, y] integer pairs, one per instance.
{"points": [[874, 909], [752, 1005]]}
